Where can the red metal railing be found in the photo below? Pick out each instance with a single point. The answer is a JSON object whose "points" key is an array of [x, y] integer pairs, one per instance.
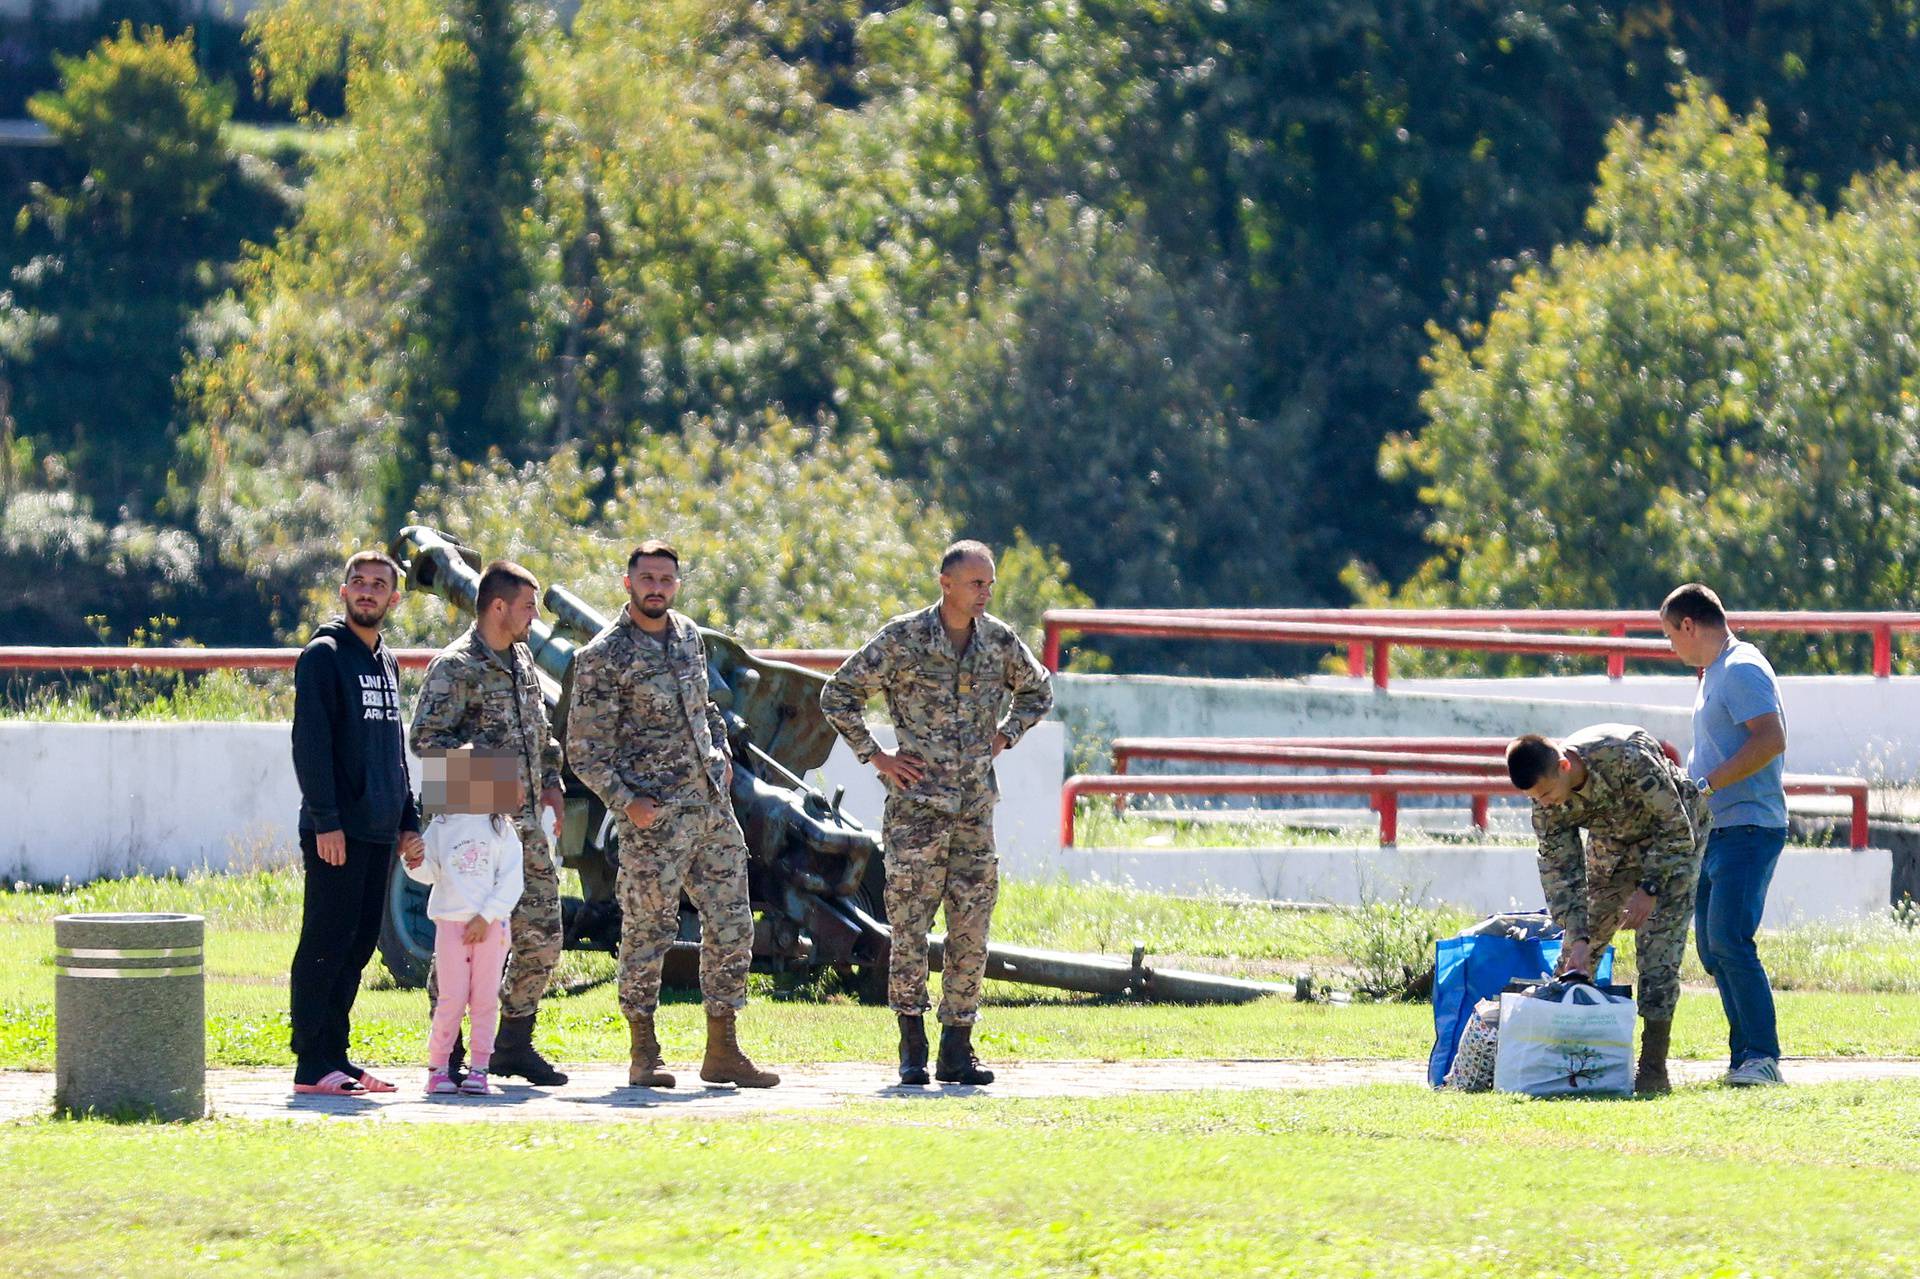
{"points": [[1380, 638], [267, 659], [1481, 757], [1384, 789], [1224, 624]]}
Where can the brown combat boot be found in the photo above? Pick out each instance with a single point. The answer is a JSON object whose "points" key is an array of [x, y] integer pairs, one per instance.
{"points": [[1650, 1079], [725, 1063], [643, 1051]]}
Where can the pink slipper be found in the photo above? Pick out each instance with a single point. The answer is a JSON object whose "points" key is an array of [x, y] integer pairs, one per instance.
{"points": [[335, 1083], [371, 1084]]}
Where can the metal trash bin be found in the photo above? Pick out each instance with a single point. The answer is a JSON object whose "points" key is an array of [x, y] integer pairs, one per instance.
{"points": [[129, 1007]]}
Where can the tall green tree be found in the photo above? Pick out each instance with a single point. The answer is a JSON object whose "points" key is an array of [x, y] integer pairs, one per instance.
{"points": [[120, 254], [469, 328], [1723, 387]]}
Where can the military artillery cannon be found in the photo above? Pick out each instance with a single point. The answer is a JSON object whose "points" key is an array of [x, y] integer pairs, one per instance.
{"points": [[814, 876]]}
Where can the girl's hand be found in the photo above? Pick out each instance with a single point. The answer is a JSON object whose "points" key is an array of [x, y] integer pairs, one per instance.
{"points": [[476, 931]]}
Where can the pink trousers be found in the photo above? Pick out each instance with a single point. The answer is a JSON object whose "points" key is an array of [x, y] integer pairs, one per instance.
{"points": [[469, 977]]}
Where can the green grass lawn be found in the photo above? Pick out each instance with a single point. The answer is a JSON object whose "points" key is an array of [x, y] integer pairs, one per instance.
{"points": [[1343, 1182], [1853, 992]]}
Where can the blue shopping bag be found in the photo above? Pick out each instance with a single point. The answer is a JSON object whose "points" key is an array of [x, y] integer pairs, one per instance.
{"points": [[1477, 964]]}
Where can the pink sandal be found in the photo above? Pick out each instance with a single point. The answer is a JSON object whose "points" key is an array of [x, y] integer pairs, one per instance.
{"points": [[371, 1084], [335, 1083]]}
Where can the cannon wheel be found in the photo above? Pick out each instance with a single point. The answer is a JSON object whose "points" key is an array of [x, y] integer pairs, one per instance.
{"points": [[406, 934]]}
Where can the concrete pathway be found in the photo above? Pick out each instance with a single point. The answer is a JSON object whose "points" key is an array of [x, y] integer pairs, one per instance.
{"points": [[599, 1093]]}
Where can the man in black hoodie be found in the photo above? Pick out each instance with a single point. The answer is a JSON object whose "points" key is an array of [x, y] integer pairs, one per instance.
{"points": [[356, 802]]}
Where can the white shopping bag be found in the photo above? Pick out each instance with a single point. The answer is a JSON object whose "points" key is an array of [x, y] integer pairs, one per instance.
{"points": [[1577, 1044]]}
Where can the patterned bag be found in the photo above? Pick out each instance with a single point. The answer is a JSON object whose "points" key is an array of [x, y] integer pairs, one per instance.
{"points": [[1473, 1061]]}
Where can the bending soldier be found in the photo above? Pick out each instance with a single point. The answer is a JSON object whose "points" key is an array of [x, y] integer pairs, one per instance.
{"points": [[643, 733], [960, 687], [1646, 825], [482, 690]]}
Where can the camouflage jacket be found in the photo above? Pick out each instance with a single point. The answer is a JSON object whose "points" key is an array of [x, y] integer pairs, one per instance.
{"points": [[474, 696], [946, 707], [640, 724], [1633, 797]]}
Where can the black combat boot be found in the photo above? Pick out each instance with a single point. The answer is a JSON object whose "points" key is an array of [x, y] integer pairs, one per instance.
{"points": [[1650, 1080], [957, 1064], [913, 1049], [514, 1054]]}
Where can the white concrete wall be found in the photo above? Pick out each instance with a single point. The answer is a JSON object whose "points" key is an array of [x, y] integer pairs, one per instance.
{"points": [[1026, 825], [1808, 885], [1167, 706], [1853, 724], [87, 800]]}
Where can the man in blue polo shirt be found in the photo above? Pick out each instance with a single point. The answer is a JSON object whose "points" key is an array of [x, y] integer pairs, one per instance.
{"points": [[1739, 745]]}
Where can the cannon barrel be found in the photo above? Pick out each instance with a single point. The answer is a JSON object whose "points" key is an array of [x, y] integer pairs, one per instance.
{"points": [[573, 617], [437, 564], [1105, 975]]}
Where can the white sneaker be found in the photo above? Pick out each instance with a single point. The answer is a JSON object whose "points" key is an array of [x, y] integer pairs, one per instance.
{"points": [[1755, 1072]]}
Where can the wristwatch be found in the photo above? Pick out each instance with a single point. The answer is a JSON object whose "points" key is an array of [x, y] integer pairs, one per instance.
{"points": [[1706, 787], [1650, 888]]}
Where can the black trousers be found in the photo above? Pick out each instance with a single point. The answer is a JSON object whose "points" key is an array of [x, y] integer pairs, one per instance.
{"points": [[339, 930]]}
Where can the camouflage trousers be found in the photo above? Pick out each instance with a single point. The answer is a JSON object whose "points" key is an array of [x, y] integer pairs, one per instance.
{"points": [[1613, 872], [533, 931], [696, 849], [936, 858]]}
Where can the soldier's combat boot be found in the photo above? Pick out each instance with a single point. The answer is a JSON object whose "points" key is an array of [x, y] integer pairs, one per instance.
{"points": [[644, 1069], [514, 1054], [957, 1064], [1650, 1078], [913, 1049], [725, 1063]]}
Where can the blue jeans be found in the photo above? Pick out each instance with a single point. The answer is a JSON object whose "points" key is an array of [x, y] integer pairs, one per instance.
{"points": [[1726, 914]]}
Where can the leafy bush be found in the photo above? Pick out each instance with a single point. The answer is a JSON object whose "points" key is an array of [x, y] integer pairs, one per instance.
{"points": [[788, 536], [137, 114], [1721, 389]]}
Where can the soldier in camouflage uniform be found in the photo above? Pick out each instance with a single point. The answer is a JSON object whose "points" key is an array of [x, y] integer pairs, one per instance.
{"points": [[1646, 825], [643, 733], [483, 690], [960, 687]]}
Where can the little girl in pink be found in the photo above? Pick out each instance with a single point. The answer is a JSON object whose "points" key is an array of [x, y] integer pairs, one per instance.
{"points": [[473, 861]]}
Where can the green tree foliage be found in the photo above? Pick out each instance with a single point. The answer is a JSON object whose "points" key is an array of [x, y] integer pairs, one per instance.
{"points": [[788, 536], [109, 267], [138, 116], [1723, 387], [120, 256], [1093, 402], [1150, 281], [469, 327]]}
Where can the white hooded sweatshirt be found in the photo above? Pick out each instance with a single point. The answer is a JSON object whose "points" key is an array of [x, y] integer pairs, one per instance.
{"points": [[474, 869]]}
